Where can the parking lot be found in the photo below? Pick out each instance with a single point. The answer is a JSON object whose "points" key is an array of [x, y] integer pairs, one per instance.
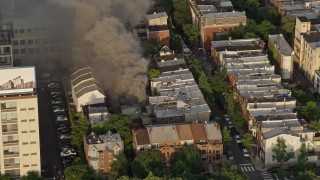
{"points": [[56, 149]]}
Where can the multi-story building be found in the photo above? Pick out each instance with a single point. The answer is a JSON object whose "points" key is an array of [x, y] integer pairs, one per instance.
{"points": [[176, 97], [167, 60], [235, 47], [306, 46], [85, 89], [6, 58], [36, 40], [213, 18], [101, 150], [20, 145], [167, 139], [283, 54]]}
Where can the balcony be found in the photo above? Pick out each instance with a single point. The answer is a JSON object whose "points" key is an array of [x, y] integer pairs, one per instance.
{"points": [[11, 143], [12, 120], [316, 138], [11, 165], [8, 109], [11, 154], [11, 131]]}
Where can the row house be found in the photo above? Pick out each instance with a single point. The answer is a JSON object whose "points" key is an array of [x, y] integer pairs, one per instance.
{"points": [[297, 8], [101, 150], [177, 98], [214, 17], [167, 139], [168, 60]]}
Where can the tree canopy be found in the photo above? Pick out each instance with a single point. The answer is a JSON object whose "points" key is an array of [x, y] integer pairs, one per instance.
{"points": [[288, 28], [181, 13], [281, 155], [120, 166], [79, 171], [147, 161], [232, 172], [315, 125], [150, 46], [186, 159], [204, 84], [192, 32], [265, 28], [312, 111], [153, 73], [226, 137], [4, 177], [122, 124], [31, 175], [247, 140], [80, 127]]}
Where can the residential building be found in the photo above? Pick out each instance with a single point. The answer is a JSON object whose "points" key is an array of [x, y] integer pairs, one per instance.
{"points": [[316, 82], [277, 102], [306, 46], [160, 34], [85, 89], [6, 58], [293, 140], [98, 114], [100, 150], [213, 17], [236, 46], [283, 54], [167, 139], [20, 145], [297, 8], [167, 60], [176, 97], [133, 111]]}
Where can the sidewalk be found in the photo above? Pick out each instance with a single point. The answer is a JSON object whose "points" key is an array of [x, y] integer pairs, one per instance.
{"points": [[258, 164]]}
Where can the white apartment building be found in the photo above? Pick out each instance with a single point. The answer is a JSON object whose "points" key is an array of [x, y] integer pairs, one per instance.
{"points": [[85, 89], [283, 54], [20, 122]]}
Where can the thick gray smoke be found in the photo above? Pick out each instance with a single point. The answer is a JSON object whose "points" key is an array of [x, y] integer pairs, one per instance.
{"points": [[102, 42]]}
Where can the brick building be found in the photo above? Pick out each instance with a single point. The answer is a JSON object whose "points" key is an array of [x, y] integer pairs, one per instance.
{"points": [[100, 150], [167, 139]]}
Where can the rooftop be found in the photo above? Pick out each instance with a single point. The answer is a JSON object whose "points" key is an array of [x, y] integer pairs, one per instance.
{"points": [[155, 15], [312, 37], [284, 123], [278, 131], [184, 132], [142, 137], [213, 131], [276, 117], [281, 44], [158, 28], [275, 99], [93, 138], [199, 132], [162, 133], [223, 15], [238, 44]]}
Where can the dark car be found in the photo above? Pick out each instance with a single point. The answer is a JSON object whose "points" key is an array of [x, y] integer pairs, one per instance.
{"points": [[241, 146], [273, 170], [233, 131]]}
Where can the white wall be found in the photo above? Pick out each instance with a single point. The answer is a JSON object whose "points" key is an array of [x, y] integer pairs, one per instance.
{"points": [[93, 97]]}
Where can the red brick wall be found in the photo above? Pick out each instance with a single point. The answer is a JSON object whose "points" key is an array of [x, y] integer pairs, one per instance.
{"points": [[210, 34], [163, 37]]}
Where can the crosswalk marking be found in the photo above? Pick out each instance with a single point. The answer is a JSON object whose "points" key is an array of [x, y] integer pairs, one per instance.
{"points": [[266, 176], [247, 168]]}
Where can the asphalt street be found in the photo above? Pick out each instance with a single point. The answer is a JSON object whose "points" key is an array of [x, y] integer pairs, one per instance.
{"points": [[50, 151]]}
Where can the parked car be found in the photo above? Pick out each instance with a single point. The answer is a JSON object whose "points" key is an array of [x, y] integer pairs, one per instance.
{"points": [[229, 155], [237, 138], [57, 99], [273, 170], [56, 96], [229, 124], [245, 152], [68, 152], [65, 136], [241, 146], [55, 93], [61, 128], [52, 84], [233, 131], [58, 110], [226, 117], [61, 119], [65, 131]]}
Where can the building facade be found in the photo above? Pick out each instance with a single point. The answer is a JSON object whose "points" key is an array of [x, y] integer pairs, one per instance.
{"points": [[20, 122], [100, 150], [6, 58]]}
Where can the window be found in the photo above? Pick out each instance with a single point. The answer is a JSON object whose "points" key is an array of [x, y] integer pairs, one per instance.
{"points": [[16, 42], [21, 30], [9, 116], [23, 51], [16, 51], [31, 50], [11, 150], [36, 41], [30, 41], [29, 30], [22, 42]]}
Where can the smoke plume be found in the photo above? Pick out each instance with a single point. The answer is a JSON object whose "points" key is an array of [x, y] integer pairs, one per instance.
{"points": [[102, 42], [99, 38]]}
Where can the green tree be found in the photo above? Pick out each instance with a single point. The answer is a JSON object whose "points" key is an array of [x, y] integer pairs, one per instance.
{"points": [[247, 140], [306, 175], [248, 35], [147, 161], [281, 155], [98, 129], [181, 13], [4, 177], [79, 171], [150, 47], [195, 67], [287, 27], [238, 119], [315, 125], [153, 73], [204, 84], [238, 33], [120, 166], [312, 111], [251, 26], [269, 13], [192, 32], [223, 36], [226, 137], [122, 124], [265, 28], [301, 95], [232, 172], [220, 84], [151, 176], [303, 156], [186, 159], [80, 128], [32, 175]]}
